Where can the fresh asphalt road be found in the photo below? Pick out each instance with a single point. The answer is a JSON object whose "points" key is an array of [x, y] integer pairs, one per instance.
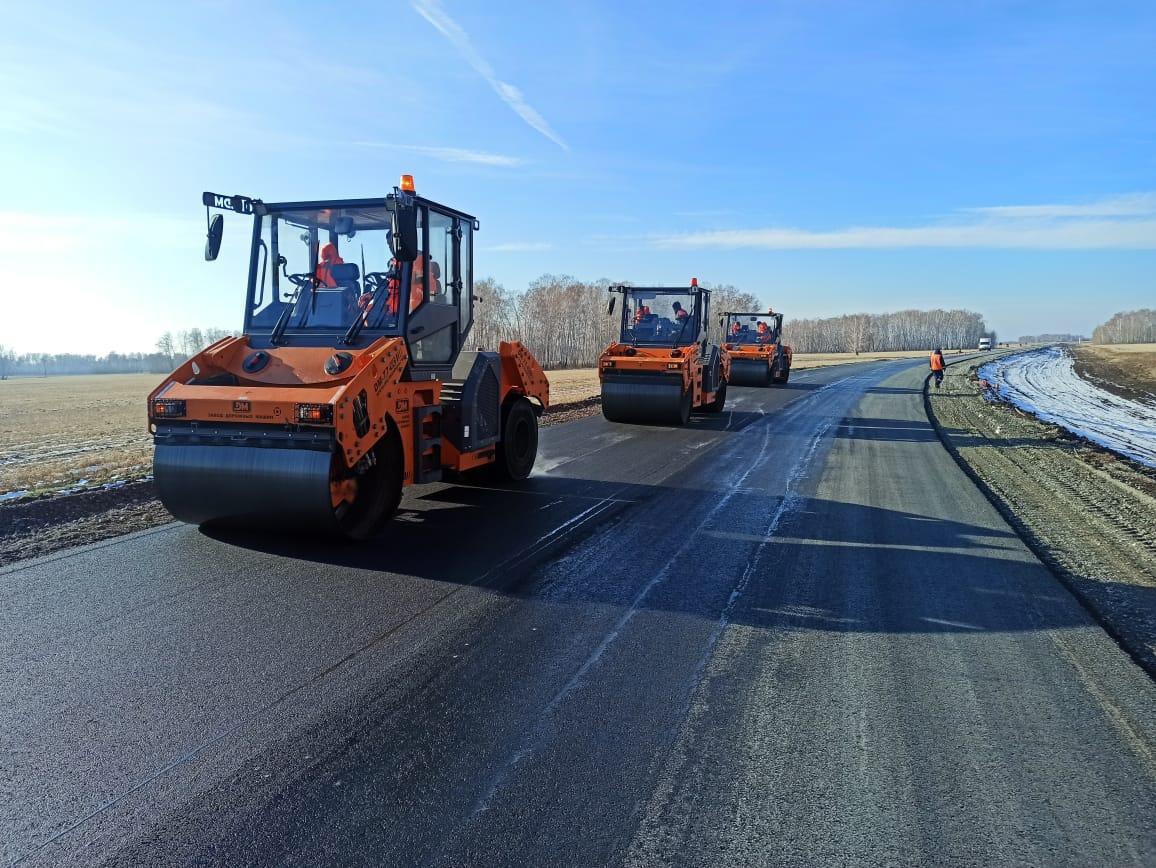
{"points": [[791, 634]]}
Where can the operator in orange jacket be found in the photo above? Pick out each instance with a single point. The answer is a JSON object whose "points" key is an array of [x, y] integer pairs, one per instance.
{"points": [[937, 366]]}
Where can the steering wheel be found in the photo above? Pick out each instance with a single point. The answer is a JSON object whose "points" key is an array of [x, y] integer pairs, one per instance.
{"points": [[304, 281]]}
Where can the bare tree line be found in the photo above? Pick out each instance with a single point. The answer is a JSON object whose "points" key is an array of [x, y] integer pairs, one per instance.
{"points": [[902, 330], [564, 321], [1052, 338], [171, 349], [65, 364], [1128, 327]]}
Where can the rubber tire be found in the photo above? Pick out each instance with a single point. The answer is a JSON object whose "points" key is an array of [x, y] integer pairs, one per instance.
{"points": [[379, 492], [720, 399], [518, 448]]}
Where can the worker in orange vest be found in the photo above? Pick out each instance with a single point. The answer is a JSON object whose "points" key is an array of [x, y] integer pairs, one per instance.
{"points": [[937, 366], [329, 257]]}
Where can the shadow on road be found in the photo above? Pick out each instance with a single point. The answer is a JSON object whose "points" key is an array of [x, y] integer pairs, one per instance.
{"points": [[833, 566]]}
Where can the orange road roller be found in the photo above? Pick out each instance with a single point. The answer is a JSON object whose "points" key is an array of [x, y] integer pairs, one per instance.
{"points": [[351, 379], [662, 368], [754, 343]]}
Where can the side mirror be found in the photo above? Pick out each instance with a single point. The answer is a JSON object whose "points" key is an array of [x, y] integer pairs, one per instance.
{"points": [[720, 322], [610, 307], [213, 238], [403, 236]]}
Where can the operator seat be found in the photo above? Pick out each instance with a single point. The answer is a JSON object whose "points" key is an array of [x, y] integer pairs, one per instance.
{"points": [[334, 303]]}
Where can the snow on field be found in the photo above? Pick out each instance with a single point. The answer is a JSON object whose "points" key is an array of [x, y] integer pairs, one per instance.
{"points": [[1043, 382]]}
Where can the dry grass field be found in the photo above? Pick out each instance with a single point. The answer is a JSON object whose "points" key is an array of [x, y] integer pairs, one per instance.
{"points": [[58, 433], [61, 432], [1126, 369]]}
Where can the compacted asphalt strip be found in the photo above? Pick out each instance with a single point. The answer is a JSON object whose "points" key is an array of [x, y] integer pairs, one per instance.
{"points": [[794, 633]]}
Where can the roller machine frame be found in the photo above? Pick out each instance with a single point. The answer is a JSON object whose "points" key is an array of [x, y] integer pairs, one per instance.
{"points": [[662, 368], [348, 386], [757, 359]]}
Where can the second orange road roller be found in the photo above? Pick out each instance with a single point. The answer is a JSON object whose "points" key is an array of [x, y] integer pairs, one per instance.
{"points": [[662, 367], [753, 341], [351, 378]]}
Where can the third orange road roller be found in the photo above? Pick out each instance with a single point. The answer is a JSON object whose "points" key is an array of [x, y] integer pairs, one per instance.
{"points": [[662, 367], [755, 346], [351, 378]]}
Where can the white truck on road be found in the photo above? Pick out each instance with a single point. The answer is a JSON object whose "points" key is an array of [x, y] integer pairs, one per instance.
{"points": [[985, 343]]}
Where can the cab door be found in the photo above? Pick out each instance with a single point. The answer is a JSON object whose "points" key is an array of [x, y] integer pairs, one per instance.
{"points": [[433, 329]]}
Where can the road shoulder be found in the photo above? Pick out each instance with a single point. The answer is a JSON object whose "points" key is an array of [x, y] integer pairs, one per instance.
{"points": [[1086, 513]]}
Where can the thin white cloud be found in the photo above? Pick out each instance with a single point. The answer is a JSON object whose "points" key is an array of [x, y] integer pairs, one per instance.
{"points": [[1121, 223], [451, 155], [431, 11], [1131, 205], [521, 247]]}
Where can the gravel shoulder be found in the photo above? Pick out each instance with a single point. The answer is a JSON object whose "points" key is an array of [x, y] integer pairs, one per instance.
{"points": [[38, 526], [1086, 512]]}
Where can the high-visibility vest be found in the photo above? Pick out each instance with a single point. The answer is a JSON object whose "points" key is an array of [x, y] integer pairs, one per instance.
{"points": [[936, 362]]}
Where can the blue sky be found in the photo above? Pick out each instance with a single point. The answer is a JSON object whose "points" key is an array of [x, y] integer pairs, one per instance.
{"points": [[830, 157]]}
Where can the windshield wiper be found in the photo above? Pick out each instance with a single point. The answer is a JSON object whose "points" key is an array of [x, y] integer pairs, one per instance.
{"points": [[363, 313], [286, 315]]}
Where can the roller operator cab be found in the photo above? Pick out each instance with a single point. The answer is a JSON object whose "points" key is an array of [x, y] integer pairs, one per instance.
{"points": [[662, 367], [757, 353], [350, 380]]}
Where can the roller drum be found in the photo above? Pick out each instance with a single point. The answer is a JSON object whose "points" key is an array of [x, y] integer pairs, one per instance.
{"points": [[648, 402], [749, 372], [246, 486]]}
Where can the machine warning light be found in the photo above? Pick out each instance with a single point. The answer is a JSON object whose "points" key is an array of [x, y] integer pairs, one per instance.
{"points": [[168, 409]]}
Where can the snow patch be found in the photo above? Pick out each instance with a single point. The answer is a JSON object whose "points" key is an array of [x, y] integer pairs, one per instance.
{"points": [[1044, 382]]}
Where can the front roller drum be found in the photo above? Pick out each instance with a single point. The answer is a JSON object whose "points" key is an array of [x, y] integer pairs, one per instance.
{"points": [[645, 403], [749, 372], [276, 489]]}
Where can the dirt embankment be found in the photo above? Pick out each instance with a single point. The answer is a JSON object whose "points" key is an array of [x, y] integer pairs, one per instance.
{"points": [[1127, 370], [1089, 514]]}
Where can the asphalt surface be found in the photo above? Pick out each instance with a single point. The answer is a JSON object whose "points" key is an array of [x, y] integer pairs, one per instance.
{"points": [[792, 634]]}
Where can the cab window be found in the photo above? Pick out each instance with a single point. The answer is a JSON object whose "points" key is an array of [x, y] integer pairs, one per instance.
{"points": [[441, 256]]}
